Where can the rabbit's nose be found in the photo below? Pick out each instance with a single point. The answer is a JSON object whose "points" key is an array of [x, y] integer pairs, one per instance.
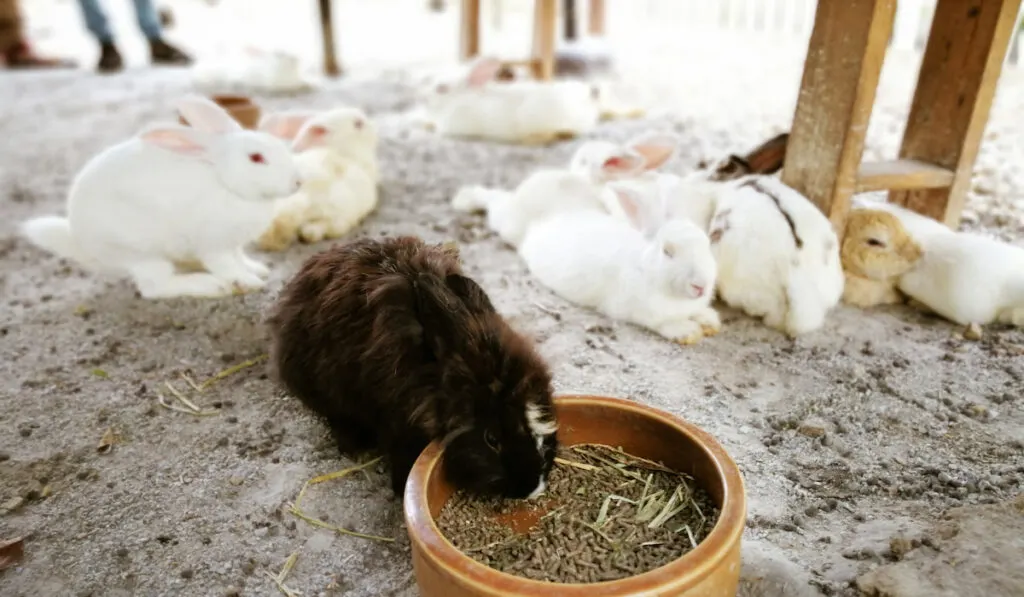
{"points": [[697, 289]]}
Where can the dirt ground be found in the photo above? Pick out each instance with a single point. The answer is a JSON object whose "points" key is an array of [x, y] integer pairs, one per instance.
{"points": [[855, 442]]}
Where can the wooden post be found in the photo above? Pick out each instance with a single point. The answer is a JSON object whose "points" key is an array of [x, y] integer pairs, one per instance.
{"points": [[470, 29], [595, 18], [844, 60], [961, 65], [545, 17], [331, 65], [569, 19]]}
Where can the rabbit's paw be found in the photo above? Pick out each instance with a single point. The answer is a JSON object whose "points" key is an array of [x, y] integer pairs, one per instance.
{"points": [[193, 285], [254, 266], [710, 323], [313, 232], [685, 332]]}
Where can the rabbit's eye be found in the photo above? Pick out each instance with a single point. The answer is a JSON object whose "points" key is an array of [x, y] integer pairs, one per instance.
{"points": [[257, 158], [491, 441], [669, 251], [874, 242]]}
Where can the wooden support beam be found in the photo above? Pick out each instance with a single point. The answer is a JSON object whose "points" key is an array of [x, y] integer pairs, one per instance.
{"points": [[595, 18], [569, 20], [545, 20], [837, 93], [332, 67], [961, 65], [469, 29], [901, 175]]}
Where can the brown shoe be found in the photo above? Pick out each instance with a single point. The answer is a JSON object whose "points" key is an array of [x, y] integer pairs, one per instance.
{"points": [[21, 56], [161, 52], [110, 58]]}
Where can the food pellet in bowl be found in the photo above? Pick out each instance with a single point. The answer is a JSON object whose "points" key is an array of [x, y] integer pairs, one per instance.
{"points": [[606, 515]]}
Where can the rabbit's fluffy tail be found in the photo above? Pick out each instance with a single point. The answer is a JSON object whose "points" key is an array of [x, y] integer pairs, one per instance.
{"points": [[53, 233]]}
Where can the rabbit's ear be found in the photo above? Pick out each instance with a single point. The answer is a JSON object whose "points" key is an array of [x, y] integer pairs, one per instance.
{"points": [[313, 135], [767, 158], [656, 148], [623, 164], [483, 71], [474, 297], [635, 208], [285, 125], [177, 139], [204, 115], [441, 313]]}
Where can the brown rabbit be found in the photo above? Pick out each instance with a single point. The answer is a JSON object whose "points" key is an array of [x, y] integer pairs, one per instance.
{"points": [[395, 348], [876, 251]]}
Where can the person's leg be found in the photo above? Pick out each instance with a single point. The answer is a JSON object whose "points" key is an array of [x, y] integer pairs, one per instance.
{"points": [[96, 21], [97, 24], [160, 51], [15, 51]]}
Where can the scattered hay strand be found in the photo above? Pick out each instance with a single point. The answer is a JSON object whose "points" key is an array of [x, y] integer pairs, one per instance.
{"points": [[280, 577], [295, 510], [220, 375]]}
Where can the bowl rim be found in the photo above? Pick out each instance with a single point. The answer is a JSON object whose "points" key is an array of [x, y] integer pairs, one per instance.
{"points": [[685, 570]]}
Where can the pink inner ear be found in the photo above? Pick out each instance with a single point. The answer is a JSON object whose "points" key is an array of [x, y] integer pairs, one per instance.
{"points": [[630, 204], [618, 165], [483, 71], [655, 153], [285, 126], [176, 140], [311, 137]]}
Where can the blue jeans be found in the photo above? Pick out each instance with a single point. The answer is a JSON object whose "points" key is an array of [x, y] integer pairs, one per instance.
{"points": [[96, 20]]}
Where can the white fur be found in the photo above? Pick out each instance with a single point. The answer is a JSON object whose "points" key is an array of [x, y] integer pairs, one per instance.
{"points": [[173, 195], [252, 69], [917, 225], [968, 278], [541, 428], [645, 272], [635, 164], [337, 156], [760, 268], [529, 111], [543, 194]]}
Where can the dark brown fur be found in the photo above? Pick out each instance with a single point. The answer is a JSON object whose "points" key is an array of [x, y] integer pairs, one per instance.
{"points": [[766, 158], [394, 347], [757, 186]]}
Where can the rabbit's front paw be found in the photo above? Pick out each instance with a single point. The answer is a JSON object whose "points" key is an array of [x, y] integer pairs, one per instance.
{"points": [[710, 323], [685, 332]]}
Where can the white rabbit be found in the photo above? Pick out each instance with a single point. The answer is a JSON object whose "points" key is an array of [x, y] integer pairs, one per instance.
{"points": [[551, 190], [777, 255], [651, 272], [542, 194], [252, 69], [337, 155], [174, 195], [527, 111], [968, 278], [693, 196]]}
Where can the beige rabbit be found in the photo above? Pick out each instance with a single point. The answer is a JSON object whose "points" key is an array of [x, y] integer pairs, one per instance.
{"points": [[876, 251]]}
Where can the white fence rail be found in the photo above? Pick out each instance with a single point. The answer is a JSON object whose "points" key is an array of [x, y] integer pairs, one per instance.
{"points": [[793, 18]]}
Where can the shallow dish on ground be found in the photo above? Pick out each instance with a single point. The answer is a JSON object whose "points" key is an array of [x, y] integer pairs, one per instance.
{"points": [[710, 570]]}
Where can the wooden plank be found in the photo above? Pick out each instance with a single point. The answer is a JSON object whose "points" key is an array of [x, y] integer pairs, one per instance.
{"points": [[469, 29], [545, 20], [332, 67], [569, 20], [902, 174], [961, 65], [844, 60], [595, 18]]}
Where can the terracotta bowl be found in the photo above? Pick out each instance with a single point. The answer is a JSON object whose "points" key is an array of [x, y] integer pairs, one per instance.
{"points": [[710, 570], [240, 107]]}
